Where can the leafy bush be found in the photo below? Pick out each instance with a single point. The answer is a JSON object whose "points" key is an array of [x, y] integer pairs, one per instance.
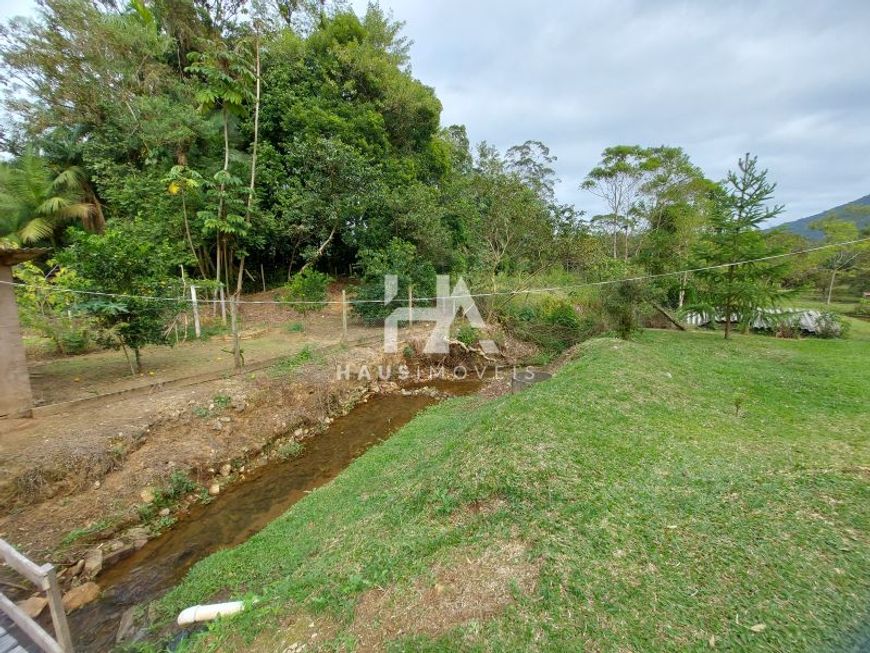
{"points": [[831, 325], [551, 323], [558, 312], [623, 304], [46, 308], [467, 335], [862, 308], [290, 450], [308, 289], [399, 258], [786, 326], [287, 365], [222, 401], [179, 485]]}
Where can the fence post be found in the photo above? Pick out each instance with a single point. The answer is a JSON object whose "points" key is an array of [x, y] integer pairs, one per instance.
{"points": [[410, 306], [223, 305], [234, 327], [195, 304], [58, 614], [343, 315]]}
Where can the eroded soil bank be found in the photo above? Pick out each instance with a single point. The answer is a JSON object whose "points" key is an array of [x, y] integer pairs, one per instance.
{"points": [[194, 470], [100, 472], [245, 508]]}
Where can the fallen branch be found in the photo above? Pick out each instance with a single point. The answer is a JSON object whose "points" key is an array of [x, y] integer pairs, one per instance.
{"points": [[471, 350], [669, 317]]}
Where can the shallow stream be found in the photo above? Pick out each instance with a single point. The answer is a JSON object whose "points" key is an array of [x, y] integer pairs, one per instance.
{"points": [[242, 510]]}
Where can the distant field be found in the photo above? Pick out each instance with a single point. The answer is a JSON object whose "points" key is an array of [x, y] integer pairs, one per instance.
{"points": [[677, 493]]}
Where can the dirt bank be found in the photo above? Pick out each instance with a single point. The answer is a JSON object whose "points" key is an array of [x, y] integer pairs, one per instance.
{"points": [[90, 475], [106, 479]]}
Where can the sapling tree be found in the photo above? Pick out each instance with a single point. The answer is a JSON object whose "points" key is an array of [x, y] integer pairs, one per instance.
{"points": [[842, 258], [134, 275]]}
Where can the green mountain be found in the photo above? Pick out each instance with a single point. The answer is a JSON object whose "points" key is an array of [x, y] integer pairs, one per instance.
{"points": [[857, 212]]}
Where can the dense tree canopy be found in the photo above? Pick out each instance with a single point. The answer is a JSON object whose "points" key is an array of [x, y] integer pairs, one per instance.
{"points": [[292, 135]]}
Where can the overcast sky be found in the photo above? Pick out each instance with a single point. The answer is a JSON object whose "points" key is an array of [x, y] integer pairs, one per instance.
{"points": [[786, 80]]}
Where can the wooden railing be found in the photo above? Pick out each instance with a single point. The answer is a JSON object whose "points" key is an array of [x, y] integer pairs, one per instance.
{"points": [[45, 578]]}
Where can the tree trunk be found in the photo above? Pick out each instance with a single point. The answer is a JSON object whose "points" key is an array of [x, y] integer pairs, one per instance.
{"points": [[728, 302], [220, 212], [217, 276], [189, 237], [320, 250], [831, 286], [683, 283], [98, 220], [127, 356], [256, 131], [234, 322]]}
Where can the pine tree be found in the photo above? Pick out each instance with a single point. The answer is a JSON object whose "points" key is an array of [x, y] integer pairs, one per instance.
{"points": [[739, 290]]}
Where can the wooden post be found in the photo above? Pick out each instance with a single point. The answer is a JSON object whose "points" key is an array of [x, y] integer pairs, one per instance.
{"points": [[223, 301], [58, 615], [343, 315], [196, 328], [410, 307], [234, 327], [263, 277], [45, 578]]}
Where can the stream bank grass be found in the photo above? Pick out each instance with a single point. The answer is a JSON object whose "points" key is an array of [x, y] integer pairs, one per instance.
{"points": [[639, 511]]}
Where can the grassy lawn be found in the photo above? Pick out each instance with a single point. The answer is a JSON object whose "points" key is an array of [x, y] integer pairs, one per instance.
{"points": [[624, 505]]}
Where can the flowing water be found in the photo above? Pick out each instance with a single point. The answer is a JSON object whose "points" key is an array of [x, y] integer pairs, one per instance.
{"points": [[242, 510]]}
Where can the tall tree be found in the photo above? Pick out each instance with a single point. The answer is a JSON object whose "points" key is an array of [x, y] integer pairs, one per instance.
{"points": [[227, 79], [739, 289], [513, 222], [673, 207], [617, 180]]}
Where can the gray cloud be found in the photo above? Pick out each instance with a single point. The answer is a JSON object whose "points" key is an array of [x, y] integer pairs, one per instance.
{"points": [[784, 80]]}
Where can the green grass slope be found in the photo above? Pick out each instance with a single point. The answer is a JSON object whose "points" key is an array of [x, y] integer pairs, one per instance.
{"points": [[621, 506]]}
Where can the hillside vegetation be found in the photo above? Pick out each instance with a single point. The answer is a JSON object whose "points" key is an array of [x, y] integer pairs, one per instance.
{"points": [[857, 212], [678, 492]]}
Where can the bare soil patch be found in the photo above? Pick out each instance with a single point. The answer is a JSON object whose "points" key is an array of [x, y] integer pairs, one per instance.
{"points": [[469, 587]]}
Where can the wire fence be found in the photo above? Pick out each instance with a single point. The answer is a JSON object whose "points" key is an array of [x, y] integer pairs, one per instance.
{"points": [[503, 293]]}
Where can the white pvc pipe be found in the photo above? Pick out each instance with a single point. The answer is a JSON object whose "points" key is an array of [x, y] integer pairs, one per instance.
{"points": [[199, 613]]}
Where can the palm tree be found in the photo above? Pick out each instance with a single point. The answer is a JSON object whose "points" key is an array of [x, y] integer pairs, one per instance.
{"points": [[34, 201]]}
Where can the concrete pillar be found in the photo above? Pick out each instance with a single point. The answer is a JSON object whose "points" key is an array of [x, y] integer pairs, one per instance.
{"points": [[16, 399]]}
